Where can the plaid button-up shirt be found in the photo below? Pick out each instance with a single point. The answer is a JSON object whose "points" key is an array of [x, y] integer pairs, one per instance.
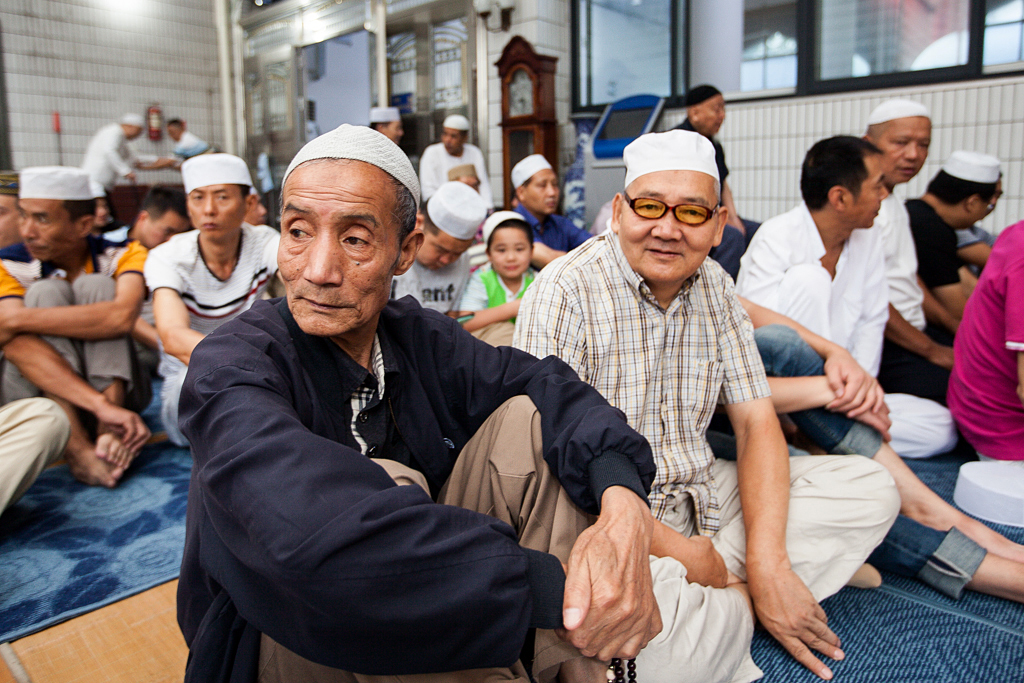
{"points": [[665, 369]]}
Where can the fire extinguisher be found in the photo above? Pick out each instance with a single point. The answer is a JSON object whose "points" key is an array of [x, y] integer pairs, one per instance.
{"points": [[155, 122]]}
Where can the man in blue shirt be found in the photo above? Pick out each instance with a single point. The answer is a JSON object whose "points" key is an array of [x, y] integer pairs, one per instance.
{"points": [[536, 185]]}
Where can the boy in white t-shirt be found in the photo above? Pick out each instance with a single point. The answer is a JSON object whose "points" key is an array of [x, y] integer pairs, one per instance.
{"points": [[204, 278]]}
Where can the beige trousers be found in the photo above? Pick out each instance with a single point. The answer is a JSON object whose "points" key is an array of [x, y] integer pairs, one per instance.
{"points": [[496, 334], [501, 474], [840, 508], [33, 434]]}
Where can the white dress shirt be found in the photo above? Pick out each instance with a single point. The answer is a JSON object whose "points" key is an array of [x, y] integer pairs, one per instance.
{"points": [[436, 162], [893, 226], [108, 156]]}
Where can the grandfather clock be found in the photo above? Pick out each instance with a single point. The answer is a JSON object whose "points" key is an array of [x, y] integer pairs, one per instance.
{"points": [[528, 120]]}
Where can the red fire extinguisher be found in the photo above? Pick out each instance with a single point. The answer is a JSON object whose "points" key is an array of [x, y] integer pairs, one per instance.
{"points": [[155, 122]]}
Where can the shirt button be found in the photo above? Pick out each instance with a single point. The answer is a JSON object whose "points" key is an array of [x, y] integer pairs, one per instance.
{"points": [[371, 452], [362, 418]]}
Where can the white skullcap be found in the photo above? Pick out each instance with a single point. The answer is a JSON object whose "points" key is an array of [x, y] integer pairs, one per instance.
{"points": [[890, 110], [457, 209], [360, 143], [456, 122], [253, 190], [972, 166], [214, 169], [499, 217], [133, 120], [675, 150], [527, 168], [97, 189], [384, 114], [55, 182], [993, 491]]}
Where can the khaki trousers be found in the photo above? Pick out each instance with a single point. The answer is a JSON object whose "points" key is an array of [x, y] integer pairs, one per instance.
{"points": [[840, 508], [501, 474], [33, 434], [496, 334]]}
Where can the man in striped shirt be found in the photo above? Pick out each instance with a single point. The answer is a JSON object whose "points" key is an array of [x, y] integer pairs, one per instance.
{"points": [[203, 278], [643, 315]]}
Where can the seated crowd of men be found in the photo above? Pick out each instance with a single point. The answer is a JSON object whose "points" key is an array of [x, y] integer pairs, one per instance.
{"points": [[558, 492]]}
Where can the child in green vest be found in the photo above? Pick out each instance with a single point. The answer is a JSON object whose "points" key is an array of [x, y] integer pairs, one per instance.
{"points": [[495, 290]]}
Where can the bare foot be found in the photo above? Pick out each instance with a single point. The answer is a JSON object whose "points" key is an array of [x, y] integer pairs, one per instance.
{"points": [[111, 449], [88, 468]]}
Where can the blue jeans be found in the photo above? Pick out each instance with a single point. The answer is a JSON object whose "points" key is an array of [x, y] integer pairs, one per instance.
{"points": [[944, 560]]}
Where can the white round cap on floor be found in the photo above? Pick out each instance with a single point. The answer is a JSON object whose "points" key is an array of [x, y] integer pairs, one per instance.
{"points": [[992, 491]]}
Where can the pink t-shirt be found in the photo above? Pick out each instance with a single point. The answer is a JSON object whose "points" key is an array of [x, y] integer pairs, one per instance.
{"points": [[983, 385]]}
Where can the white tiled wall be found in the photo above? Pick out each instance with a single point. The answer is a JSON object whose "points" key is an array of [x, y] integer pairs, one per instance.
{"points": [[765, 141], [94, 60], [545, 24]]}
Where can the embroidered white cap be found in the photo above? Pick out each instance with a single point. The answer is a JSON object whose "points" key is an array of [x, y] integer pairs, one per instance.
{"points": [[457, 209], [456, 122], [496, 219], [55, 182], [890, 110], [993, 491], [384, 114], [360, 143], [133, 120], [972, 166], [214, 169], [527, 168], [674, 150]]}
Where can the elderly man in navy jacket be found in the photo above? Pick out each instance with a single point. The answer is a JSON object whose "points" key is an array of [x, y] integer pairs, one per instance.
{"points": [[377, 493]]}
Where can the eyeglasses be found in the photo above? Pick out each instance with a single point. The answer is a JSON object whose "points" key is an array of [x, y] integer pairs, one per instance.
{"points": [[690, 214]]}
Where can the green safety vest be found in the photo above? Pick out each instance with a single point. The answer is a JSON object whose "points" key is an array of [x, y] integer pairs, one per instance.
{"points": [[495, 292]]}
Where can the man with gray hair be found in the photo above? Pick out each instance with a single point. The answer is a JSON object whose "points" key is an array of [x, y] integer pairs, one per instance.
{"points": [[377, 493]]}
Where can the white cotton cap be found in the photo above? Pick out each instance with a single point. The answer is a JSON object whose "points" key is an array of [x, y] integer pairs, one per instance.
{"points": [[890, 110], [972, 166], [133, 120], [457, 209], [456, 122], [214, 169], [525, 169], [97, 189], [55, 182], [993, 491], [674, 150], [384, 114], [360, 143], [497, 218]]}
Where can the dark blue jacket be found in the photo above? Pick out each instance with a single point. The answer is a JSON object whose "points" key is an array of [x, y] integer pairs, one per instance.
{"points": [[314, 545], [557, 232]]}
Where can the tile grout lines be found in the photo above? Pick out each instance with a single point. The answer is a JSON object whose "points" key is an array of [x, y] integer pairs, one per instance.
{"points": [[10, 657]]}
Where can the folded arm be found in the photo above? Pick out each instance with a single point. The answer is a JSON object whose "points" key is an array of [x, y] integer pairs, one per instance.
{"points": [[173, 324]]}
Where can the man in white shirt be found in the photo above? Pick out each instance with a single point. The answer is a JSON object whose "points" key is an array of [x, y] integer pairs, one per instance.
{"points": [[186, 143], [388, 122], [109, 157], [449, 222], [452, 151], [203, 278], [820, 264]]}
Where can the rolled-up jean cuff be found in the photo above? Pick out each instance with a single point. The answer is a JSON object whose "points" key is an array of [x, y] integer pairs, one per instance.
{"points": [[952, 565], [860, 440]]}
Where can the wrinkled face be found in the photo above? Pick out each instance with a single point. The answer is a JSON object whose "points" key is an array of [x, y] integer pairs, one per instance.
{"points": [[175, 131], [102, 212], [440, 249], [49, 233], [339, 246], [454, 140], [217, 209], [510, 252], [904, 144], [872, 191], [152, 232], [10, 220], [708, 116], [393, 130], [664, 251], [540, 193]]}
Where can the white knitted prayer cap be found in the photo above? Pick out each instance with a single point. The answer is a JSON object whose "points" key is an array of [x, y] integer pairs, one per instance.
{"points": [[496, 219], [972, 166], [384, 114], [456, 122], [55, 182], [133, 120], [457, 209], [214, 169], [527, 168], [890, 110], [360, 143], [674, 150]]}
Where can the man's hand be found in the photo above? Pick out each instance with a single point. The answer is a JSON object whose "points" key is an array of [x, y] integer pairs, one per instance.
{"points": [[609, 608], [126, 425], [704, 564], [786, 608], [856, 391], [880, 421]]}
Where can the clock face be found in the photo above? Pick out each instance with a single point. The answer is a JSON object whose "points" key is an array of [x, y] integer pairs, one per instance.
{"points": [[520, 94]]}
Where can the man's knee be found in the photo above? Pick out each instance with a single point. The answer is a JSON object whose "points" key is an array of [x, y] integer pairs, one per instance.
{"points": [[93, 288], [49, 293], [785, 354], [853, 478]]}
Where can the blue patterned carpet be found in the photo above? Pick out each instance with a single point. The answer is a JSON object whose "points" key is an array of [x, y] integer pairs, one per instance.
{"points": [[904, 632]]}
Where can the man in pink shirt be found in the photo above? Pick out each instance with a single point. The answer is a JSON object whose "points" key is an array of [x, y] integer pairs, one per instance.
{"points": [[986, 388]]}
